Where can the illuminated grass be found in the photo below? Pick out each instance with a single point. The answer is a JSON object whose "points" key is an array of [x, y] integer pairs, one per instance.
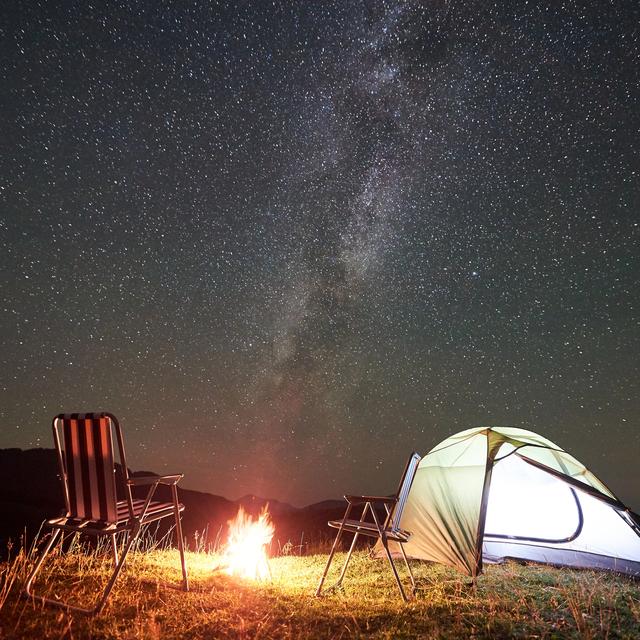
{"points": [[510, 601]]}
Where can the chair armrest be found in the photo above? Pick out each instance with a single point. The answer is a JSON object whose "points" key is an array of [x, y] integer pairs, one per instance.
{"points": [[363, 499], [139, 481]]}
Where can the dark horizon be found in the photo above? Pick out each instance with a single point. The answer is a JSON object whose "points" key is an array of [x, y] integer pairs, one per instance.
{"points": [[274, 502], [286, 244]]}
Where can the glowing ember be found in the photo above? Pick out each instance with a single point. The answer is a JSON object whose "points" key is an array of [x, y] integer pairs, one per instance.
{"points": [[245, 554]]}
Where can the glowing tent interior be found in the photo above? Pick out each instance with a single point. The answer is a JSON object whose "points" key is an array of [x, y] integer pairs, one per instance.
{"points": [[491, 493]]}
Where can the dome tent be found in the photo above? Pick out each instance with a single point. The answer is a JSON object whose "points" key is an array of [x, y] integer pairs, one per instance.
{"points": [[491, 493]]}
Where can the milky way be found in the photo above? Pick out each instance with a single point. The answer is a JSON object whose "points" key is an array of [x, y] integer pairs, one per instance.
{"points": [[289, 243]]}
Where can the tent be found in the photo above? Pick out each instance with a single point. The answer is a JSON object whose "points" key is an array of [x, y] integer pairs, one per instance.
{"points": [[491, 493]]}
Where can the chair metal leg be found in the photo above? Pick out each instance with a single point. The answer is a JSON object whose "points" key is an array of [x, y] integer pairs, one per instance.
{"points": [[103, 600], [132, 535], [176, 511], [333, 551], [114, 547], [385, 544], [329, 560], [346, 561], [27, 587], [406, 562], [352, 547]]}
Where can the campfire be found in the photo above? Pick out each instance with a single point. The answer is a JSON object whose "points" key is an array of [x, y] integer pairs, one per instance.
{"points": [[245, 553]]}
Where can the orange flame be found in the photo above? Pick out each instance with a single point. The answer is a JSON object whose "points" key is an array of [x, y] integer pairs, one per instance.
{"points": [[245, 554]]}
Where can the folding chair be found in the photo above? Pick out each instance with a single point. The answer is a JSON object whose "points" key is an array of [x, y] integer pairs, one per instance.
{"points": [[84, 443], [388, 530]]}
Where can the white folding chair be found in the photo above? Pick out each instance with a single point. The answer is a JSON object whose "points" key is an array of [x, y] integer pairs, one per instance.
{"points": [[385, 531]]}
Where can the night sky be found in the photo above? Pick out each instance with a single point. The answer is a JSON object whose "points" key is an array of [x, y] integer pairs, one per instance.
{"points": [[287, 243]]}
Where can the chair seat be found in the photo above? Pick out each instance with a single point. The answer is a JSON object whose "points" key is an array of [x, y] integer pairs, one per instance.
{"points": [[155, 511], [366, 528]]}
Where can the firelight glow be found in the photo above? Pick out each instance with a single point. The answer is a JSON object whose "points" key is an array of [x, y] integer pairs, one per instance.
{"points": [[245, 554]]}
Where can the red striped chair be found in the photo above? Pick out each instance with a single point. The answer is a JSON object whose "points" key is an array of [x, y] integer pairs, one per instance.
{"points": [[84, 443]]}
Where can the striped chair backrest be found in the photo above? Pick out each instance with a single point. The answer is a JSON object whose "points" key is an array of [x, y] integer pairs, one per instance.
{"points": [[89, 465], [403, 490]]}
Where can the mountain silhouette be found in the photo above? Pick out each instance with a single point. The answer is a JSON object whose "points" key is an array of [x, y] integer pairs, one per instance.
{"points": [[31, 491]]}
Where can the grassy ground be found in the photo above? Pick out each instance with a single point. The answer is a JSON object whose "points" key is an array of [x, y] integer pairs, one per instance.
{"points": [[510, 601]]}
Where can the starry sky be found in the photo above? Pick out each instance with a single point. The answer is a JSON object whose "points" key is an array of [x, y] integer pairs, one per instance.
{"points": [[289, 242]]}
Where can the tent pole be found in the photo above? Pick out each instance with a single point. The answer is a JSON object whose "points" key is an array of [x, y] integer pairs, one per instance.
{"points": [[492, 451]]}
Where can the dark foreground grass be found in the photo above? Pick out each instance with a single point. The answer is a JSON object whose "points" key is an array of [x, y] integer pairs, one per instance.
{"points": [[510, 601]]}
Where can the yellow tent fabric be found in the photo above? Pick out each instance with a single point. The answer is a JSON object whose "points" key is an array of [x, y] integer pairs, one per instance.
{"points": [[446, 507]]}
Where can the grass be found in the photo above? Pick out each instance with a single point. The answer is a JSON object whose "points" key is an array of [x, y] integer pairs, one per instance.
{"points": [[509, 601]]}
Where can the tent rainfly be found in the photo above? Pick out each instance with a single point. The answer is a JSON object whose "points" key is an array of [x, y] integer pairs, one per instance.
{"points": [[491, 493]]}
